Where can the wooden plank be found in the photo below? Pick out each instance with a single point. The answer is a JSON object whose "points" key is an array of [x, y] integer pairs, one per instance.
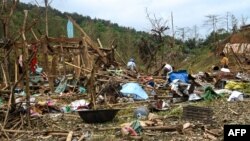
{"points": [[64, 40]]}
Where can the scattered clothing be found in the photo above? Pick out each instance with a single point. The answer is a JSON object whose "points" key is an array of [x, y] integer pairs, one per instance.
{"points": [[224, 70], [235, 96], [194, 97]]}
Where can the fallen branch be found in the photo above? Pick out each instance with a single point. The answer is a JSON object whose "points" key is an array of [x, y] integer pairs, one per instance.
{"points": [[2, 129], [81, 138], [212, 133], [162, 128], [209, 136], [233, 111], [69, 137]]}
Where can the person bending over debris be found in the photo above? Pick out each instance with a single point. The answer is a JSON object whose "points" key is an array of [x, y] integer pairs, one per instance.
{"points": [[131, 65], [224, 61], [167, 68]]}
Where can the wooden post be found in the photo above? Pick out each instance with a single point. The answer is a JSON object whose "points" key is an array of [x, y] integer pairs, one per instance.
{"points": [[64, 66], [91, 86], [77, 62], [173, 32], [25, 57], [85, 54], [16, 62], [46, 17], [53, 70], [46, 62]]}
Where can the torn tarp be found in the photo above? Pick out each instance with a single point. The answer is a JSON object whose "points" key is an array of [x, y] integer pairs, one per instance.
{"points": [[135, 90], [182, 75]]}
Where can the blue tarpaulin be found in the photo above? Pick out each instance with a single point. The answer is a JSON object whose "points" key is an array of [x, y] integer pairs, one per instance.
{"points": [[135, 90], [182, 75], [70, 29]]}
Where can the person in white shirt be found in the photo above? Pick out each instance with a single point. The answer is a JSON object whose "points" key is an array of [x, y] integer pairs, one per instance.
{"points": [[167, 68], [131, 65]]}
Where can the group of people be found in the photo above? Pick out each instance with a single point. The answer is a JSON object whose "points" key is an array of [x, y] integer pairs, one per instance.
{"points": [[167, 68]]}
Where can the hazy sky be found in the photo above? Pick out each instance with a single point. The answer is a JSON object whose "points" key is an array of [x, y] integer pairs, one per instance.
{"points": [[132, 13]]}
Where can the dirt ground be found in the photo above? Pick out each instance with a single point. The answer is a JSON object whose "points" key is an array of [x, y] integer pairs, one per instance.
{"points": [[58, 125]]}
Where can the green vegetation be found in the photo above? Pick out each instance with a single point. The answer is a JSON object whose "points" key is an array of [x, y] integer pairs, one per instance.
{"points": [[149, 50]]}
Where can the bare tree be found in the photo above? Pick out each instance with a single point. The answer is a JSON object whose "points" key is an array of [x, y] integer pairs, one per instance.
{"points": [[212, 21], [225, 20], [234, 23], [159, 25], [6, 14], [183, 32], [243, 20]]}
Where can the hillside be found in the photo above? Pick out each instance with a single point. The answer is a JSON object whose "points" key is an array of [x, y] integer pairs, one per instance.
{"points": [[184, 55], [57, 88], [124, 37]]}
